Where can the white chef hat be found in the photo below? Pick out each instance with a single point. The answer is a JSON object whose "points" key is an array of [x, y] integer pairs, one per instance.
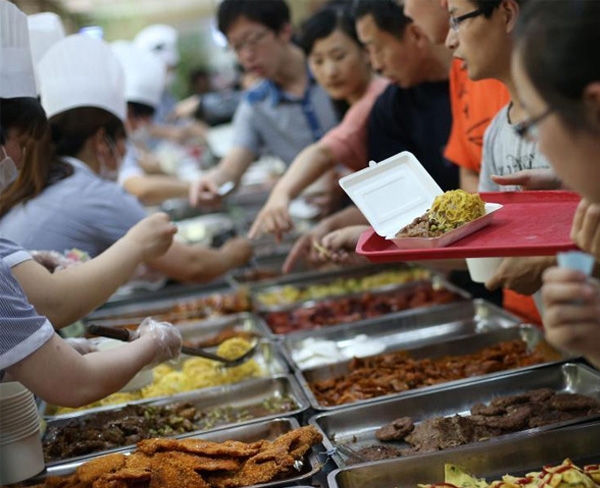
{"points": [[16, 67], [161, 39], [80, 71], [145, 74], [45, 29]]}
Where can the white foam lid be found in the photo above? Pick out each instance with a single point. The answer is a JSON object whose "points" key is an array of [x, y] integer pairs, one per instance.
{"points": [[392, 193]]}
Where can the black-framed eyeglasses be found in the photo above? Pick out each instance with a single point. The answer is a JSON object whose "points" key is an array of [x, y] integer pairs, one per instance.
{"points": [[456, 21], [528, 128], [250, 42]]}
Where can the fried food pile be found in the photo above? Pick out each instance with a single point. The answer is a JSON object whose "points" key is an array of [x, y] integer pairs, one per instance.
{"points": [[448, 211], [194, 463], [565, 475]]}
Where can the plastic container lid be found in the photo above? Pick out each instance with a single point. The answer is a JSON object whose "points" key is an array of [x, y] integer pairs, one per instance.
{"points": [[392, 193]]}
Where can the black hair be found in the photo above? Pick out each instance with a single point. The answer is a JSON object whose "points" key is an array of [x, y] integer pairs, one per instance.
{"points": [[488, 6], [140, 110], [556, 41], [324, 23], [23, 114], [274, 14], [387, 14]]}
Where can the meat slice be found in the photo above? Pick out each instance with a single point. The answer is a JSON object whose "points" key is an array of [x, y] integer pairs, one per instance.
{"points": [[396, 430]]}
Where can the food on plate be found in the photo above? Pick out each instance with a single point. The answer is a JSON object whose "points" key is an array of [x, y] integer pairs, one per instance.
{"points": [[448, 211], [111, 429], [565, 475], [396, 372], [195, 373], [196, 462]]}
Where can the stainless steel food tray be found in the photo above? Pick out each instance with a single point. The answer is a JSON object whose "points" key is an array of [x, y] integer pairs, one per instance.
{"points": [[238, 395], [411, 328], [460, 346], [268, 430], [267, 355], [319, 277], [150, 307], [356, 426], [203, 330], [516, 455], [436, 281]]}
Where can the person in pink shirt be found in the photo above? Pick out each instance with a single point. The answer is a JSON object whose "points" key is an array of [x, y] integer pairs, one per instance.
{"points": [[340, 65]]}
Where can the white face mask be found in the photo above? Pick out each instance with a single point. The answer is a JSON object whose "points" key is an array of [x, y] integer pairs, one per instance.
{"points": [[140, 135], [8, 171]]}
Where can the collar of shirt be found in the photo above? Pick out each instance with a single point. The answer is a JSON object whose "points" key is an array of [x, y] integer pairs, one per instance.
{"points": [[277, 95], [78, 164]]}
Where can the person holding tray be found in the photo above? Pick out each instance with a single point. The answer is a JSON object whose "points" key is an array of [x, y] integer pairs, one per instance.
{"points": [[557, 77]]}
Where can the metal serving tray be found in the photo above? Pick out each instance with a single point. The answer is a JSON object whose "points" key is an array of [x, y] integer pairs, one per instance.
{"points": [[205, 330], [460, 346], [437, 282], [319, 277], [137, 310], [236, 396], [410, 328], [356, 426], [516, 455], [268, 430], [267, 356]]}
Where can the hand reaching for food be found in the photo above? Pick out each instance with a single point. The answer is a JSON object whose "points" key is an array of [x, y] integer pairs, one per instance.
{"points": [[166, 337], [340, 245]]}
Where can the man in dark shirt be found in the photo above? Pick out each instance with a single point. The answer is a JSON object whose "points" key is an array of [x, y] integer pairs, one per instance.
{"points": [[413, 114]]}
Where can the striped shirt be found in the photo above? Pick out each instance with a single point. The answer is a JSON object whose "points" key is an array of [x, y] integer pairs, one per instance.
{"points": [[22, 330], [12, 254]]}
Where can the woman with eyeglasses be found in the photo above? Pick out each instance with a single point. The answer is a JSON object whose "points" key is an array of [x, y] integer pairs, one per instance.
{"points": [[557, 77], [65, 198]]}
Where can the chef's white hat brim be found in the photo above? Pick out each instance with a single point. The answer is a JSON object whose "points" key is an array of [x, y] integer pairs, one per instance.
{"points": [[45, 30], [16, 67], [145, 74], [80, 71]]}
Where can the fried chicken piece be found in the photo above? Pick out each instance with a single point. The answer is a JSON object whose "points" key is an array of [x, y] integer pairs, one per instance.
{"points": [[139, 460], [58, 482], [275, 460], [175, 470], [92, 470], [198, 446]]}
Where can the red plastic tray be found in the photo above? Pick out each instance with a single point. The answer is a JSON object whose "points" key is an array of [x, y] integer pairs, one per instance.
{"points": [[530, 223]]}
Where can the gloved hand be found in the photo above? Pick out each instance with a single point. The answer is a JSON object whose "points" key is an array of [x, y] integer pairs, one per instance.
{"points": [[81, 345], [167, 338]]}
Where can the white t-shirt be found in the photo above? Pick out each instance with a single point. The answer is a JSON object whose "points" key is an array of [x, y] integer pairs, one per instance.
{"points": [[505, 153]]}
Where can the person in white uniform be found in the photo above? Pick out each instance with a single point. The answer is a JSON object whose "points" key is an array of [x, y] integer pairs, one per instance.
{"points": [[30, 351], [74, 203], [145, 77]]}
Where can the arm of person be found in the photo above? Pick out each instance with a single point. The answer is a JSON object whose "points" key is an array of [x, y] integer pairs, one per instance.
{"points": [[231, 168], [60, 375], [90, 284], [194, 263], [530, 179], [314, 161], [155, 189], [304, 247], [571, 312], [469, 180], [523, 275]]}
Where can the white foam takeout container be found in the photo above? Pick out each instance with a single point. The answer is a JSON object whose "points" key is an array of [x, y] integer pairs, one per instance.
{"points": [[394, 192]]}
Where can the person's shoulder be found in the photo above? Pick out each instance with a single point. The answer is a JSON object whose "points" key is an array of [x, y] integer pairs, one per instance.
{"points": [[259, 92]]}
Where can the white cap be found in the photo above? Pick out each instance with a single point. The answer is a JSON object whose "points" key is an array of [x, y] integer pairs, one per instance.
{"points": [[161, 40], [16, 67], [145, 74], [80, 71], [45, 29]]}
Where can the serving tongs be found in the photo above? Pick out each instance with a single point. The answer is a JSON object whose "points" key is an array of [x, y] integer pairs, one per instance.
{"points": [[127, 335]]}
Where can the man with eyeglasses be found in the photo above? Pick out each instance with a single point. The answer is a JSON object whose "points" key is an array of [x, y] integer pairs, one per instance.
{"points": [[281, 115]]}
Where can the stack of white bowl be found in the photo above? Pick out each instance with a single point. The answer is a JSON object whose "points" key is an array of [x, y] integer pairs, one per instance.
{"points": [[21, 454]]}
